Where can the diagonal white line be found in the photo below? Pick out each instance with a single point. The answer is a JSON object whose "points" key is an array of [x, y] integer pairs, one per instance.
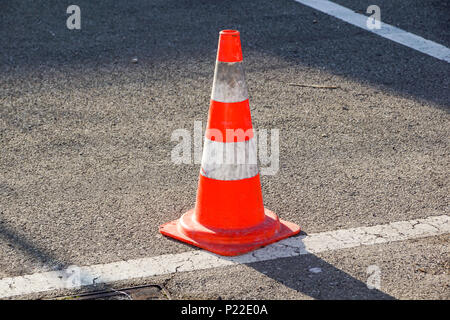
{"points": [[199, 260], [387, 31]]}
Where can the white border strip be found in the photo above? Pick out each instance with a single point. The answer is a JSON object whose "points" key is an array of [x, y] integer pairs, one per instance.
{"points": [[74, 277], [386, 31]]}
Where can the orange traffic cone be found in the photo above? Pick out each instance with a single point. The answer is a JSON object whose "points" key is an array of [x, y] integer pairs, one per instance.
{"points": [[229, 217]]}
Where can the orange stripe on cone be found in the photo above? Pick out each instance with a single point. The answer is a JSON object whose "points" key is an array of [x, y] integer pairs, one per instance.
{"points": [[228, 118], [229, 204], [229, 217]]}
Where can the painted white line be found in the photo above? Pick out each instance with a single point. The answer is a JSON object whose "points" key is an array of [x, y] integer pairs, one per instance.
{"points": [[75, 277], [386, 31]]}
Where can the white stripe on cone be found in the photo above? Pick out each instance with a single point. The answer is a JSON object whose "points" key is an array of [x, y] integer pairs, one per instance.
{"points": [[229, 160], [229, 83]]}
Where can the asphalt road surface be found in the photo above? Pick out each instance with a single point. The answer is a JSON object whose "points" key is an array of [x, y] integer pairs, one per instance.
{"points": [[86, 175]]}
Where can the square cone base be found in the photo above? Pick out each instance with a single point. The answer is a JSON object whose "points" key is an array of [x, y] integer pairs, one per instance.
{"points": [[287, 229]]}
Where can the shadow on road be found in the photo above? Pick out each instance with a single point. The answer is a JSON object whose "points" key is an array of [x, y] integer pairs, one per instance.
{"points": [[34, 35], [311, 275], [329, 283], [37, 255], [42, 260]]}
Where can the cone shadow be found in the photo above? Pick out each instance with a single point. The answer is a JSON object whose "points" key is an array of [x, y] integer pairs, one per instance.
{"points": [[311, 275]]}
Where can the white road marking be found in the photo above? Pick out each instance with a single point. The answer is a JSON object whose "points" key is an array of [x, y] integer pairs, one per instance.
{"points": [[387, 31], [199, 260]]}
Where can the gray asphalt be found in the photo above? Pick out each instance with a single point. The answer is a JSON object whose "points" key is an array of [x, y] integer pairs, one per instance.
{"points": [[428, 20], [85, 170]]}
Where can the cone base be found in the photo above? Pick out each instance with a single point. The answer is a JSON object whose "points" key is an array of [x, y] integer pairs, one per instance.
{"points": [[285, 230]]}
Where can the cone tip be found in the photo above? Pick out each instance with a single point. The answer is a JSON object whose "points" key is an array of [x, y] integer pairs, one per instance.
{"points": [[229, 32], [229, 46]]}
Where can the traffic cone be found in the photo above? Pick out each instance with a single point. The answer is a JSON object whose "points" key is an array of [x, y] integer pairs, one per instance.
{"points": [[229, 217]]}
